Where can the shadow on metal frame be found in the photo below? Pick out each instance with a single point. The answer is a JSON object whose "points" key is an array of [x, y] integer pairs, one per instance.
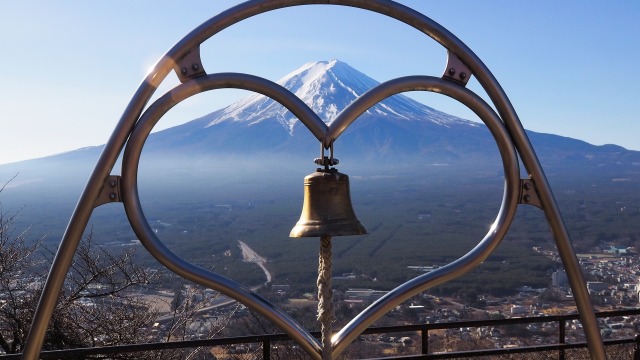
{"points": [[184, 58]]}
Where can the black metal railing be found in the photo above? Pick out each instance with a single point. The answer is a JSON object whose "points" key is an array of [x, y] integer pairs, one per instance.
{"points": [[266, 341]]}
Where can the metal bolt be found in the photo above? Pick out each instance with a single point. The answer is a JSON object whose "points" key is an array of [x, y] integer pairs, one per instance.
{"points": [[326, 161], [527, 198], [463, 76], [112, 196], [112, 183], [527, 186], [452, 71], [183, 71], [195, 67]]}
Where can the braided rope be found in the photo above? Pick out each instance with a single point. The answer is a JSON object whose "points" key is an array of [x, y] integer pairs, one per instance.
{"points": [[326, 314]]}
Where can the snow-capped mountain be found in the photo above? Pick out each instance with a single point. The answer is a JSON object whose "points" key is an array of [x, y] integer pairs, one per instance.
{"points": [[326, 87], [396, 130], [258, 140], [398, 125]]}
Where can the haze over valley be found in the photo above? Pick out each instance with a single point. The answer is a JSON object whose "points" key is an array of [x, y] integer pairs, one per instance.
{"points": [[427, 185]]}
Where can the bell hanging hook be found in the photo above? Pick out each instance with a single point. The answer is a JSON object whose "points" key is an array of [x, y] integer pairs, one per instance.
{"points": [[324, 160]]}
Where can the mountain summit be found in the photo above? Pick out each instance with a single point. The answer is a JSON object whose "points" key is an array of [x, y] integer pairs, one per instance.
{"points": [[257, 123], [398, 130], [327, 87]]}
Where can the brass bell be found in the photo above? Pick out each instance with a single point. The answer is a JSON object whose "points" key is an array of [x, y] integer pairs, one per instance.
{"points": [[327, 209]]}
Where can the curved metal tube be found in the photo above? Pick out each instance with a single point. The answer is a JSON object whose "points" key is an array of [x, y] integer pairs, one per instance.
{"points": [[491, 240], [146, 235], [116, 142], [389, 88], [225, 81]]}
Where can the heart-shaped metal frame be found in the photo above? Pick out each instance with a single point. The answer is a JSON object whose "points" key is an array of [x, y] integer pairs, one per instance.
{"points": [[135, 126], [226, 286]]}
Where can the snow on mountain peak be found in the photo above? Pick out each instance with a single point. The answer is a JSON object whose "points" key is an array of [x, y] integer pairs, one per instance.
{"points": [[326, 87]]}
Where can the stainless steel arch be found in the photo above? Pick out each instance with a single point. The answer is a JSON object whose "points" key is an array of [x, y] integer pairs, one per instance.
{"points": [[513, 135]]}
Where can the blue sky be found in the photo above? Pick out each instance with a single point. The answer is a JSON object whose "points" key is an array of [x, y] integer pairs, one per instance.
{"points": [[68, 69]]}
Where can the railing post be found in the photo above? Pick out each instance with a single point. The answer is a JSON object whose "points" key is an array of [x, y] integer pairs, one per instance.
{"points": [[561, 337], [266, 349], [636, 348], [425, 340]]}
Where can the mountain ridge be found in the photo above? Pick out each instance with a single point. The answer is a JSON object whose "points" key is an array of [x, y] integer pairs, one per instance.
{"points": [[246, 161], [398, 129], [326, 87]]}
